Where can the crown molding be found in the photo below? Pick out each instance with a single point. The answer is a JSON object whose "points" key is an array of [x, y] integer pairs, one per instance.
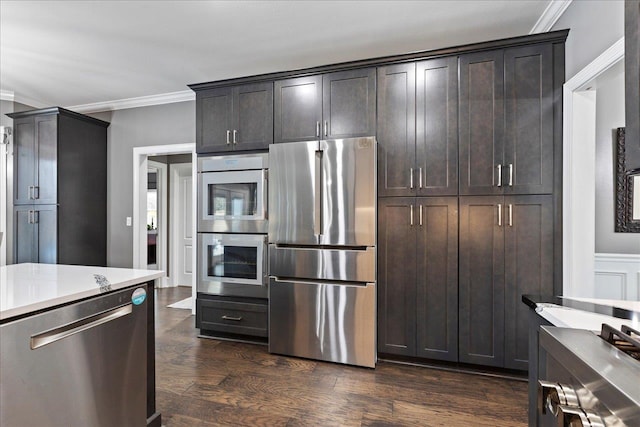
{"points": [[142, 101], [550, 16], [6, 95]]}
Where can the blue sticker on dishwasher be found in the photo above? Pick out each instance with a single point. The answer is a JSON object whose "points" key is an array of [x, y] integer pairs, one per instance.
{"points": [[138, 296]]}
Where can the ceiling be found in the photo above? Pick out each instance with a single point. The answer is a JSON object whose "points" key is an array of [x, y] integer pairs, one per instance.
{"points": [[73, 53]]}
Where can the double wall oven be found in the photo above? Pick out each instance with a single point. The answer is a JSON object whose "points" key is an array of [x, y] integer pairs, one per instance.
{"points": [[232, 225]]}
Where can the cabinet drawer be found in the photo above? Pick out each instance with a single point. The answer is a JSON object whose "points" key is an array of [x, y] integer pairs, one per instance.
{"points": [[232, 317]]}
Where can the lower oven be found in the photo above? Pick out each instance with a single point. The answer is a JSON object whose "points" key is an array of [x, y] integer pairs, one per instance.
{"points": [[232, 265], [585, 381]]}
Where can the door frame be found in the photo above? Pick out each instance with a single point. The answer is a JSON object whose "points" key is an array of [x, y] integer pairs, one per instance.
{"points": [[4, 206], [162, 177], [578, 200], [140, 166], [173, 254]]}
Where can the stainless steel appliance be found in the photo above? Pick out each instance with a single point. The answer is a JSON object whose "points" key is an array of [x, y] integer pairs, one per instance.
{"points": [[232, 264], [84, 364], [232, 194], [589, 380], [322, 254]]}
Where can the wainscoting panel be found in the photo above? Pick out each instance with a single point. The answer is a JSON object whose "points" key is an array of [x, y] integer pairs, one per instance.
{"points": [[617, 276]]}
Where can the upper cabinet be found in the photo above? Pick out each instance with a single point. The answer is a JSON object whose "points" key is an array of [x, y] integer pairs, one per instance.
{"points": [[328, 106], [418, 128], [234, 118], [506, 121]]}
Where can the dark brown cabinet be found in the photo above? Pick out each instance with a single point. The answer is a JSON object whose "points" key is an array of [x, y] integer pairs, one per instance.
{"points": [[506, 121], [417, 277], [418, 128], [506, 250], [59, 217], [332, 105], [234, 118]]}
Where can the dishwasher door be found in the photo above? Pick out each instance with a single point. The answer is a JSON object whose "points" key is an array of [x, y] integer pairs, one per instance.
{"points": [[83, 364], [332, 321]]}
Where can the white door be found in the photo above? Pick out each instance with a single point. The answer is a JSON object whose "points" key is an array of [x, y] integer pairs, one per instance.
{"points": [[181, 224]]}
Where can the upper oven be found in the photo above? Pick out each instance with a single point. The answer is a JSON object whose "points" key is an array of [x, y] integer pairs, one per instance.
{"points": [[232, 193]]}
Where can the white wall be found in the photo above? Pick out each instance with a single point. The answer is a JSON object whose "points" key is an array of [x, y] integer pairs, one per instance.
{"points": [[594, 26], [609, 116], [5, 108]]}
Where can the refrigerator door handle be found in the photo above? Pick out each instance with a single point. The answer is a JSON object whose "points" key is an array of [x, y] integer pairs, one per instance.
{"points": [[323, 282], [317, 200]]}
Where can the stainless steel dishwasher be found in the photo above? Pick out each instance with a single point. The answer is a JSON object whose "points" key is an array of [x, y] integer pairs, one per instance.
{"points": [[82, 364]]}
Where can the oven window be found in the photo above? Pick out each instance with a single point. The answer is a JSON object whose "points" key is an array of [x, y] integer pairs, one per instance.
{"points": [[238, 199], [239, 262]]}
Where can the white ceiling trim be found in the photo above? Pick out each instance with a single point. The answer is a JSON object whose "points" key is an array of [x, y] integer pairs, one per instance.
{"points": [[6, 95], [550, 16], [141, 101], [31, 102]]}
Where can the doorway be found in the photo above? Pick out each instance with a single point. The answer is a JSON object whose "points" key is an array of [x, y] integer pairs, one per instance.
{"points": [[173, 214]]}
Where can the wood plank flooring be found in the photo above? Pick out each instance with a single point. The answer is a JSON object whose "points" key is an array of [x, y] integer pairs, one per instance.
{"points": [[203, 382]]}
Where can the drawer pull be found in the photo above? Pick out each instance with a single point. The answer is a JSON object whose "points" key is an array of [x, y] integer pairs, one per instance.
{"points": [[235, 319]]}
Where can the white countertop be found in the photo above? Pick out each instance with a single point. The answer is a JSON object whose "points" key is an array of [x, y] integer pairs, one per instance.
{"points": [[568, 317], [25, 288]]}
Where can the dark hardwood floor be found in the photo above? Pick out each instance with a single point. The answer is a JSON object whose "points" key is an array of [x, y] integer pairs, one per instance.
{"points": [[204, 382]]}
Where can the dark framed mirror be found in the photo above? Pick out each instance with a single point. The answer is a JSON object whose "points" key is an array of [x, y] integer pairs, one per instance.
{"points": [[627, 190]]}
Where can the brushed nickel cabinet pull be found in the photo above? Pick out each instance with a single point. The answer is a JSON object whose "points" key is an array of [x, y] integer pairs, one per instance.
{"points": [[420, 215], [235, 319], [318, 129], [326, 128], [499, 175], [499, 214], [36, 192], [420, 179], [411, 215], [228, 137], [235, 136], [411, 178], [510, 215], [510, 174]]}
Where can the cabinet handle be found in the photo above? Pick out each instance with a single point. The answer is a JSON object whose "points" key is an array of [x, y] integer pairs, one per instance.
{"points": [[326, 128], [420, 178], [318, 129], [510, 215], [499, 215], [235, 136], [30, 217], [420, 215], [510, 174], [499, 175], [30, 192], [36, 217], [411, 215], [411, 178], [235, 319], [228, 137], [36, 192]]}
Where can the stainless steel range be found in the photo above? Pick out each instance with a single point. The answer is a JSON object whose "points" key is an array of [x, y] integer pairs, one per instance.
{"points": [[587, 379]]}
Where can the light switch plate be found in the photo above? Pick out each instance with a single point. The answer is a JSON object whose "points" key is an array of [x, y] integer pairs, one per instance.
{"points": [[128, 221]]}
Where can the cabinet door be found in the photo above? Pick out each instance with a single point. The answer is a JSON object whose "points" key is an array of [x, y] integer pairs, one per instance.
{"points": [[396, 129], [213, 120], [46, 220], [437, 127], [46, 179], [397, 276], [481, 126], [253, 116], [297, 109], [437, 278], [528, 151], [349, 103], [481, 284], [24, 161], [528, 267], [25, 245]]}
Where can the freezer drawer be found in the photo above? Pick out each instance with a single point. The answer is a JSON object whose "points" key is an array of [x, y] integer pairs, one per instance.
{"points": [[324, 321], [232, 317], [84, 364]]}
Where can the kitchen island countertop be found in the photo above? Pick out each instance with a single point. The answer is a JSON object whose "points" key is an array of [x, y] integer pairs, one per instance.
{"points": [[28, 288]]}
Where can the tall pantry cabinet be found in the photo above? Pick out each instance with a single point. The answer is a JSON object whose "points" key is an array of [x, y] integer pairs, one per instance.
{"points": [[469, 174], [59, 187]]}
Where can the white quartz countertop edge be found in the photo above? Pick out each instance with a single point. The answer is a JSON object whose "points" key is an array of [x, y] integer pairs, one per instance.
{"points": [[577, 319], [28, 288]]}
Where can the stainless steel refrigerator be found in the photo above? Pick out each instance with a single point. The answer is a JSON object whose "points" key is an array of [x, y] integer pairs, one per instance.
{"points": [[322, 250]]}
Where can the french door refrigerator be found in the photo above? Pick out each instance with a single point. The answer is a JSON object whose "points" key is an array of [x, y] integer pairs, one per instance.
{"points": [[322, 250]]}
